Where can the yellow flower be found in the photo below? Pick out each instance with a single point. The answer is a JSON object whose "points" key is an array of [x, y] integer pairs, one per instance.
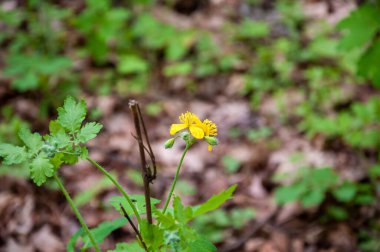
{"points": [[210, 130], [190, 121]]}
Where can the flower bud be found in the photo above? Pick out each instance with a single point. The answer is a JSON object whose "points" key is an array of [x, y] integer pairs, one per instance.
{"points": [[169, 143], [211, 140]]}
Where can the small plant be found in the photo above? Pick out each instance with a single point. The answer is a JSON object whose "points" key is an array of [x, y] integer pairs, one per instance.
{"points": [[312, 187], [162, 229]]}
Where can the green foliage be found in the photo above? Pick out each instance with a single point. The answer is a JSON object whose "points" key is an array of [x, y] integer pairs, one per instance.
{"points": [[231, 165], [138, 201], [357, 126], [360, 29], [309, 187], [44, 155], [312, 187], [213, 225], [214, 202], [102, 231], [127, 247]]}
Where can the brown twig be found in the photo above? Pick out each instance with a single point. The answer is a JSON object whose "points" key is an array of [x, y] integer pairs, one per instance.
{"points": [[134, 227], [147, 174]]}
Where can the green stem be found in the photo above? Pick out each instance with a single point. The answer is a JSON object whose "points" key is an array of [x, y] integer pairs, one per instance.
{"points": [[175, 178], [77, 213], [121, 190]]}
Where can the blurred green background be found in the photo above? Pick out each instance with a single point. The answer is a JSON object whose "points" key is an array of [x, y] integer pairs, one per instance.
{"points": [[292, 85]]}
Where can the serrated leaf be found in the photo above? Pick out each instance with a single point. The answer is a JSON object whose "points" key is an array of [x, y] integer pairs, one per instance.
{"points": [[181, 214], [59, 139], [137, 199], [152, 235], [89, 131], [360, 26], [41, 169], [214, 202], [55, 127], [32, 140], [102, 231], [167, 219], [201, 245], [12, 154], [72, 114]]}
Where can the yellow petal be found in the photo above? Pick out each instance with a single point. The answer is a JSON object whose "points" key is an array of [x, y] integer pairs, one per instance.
{"points": [[209, 147], [196, 132], [177, 127], [196, 120]]}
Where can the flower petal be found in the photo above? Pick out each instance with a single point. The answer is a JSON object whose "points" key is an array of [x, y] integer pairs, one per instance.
{"points": [[196, 132], [209, 147], [177, 127], [196, 120]]}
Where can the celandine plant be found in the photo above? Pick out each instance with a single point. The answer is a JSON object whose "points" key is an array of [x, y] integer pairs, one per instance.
{"points": [[166, 229]]}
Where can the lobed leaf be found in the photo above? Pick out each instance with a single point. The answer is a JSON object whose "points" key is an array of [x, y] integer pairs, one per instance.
{"points": [[13, 154], [89, 131], [72, 114], [32, 140], [41, 169]]}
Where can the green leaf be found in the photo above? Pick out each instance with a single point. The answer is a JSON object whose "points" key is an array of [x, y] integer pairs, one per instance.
{"points": [[129, 64], [286, 194], [201, 245], [241, 216], [214, 202], [231, 165], [374, 171], [346, 192], [127, 247], [89, 131], [59, 139], [369, 63], [181, 214], [337, 213], [178, 69], [137, 199], [253, 29], [72, 114], [12, 154], [167, 219], [41, 169], [313, 198], [359, 27], [32, 141], [152, 235], [102, 231], [73, 240]]}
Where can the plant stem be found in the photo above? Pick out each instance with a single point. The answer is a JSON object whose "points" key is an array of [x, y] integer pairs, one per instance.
{"points": [[77, 213], [119, 187], [175, 178], [134, 228]]}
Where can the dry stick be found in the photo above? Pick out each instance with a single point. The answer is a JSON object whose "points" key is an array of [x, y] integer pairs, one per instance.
{"points": [[133, 105], [150, 152], [134, 227]]}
